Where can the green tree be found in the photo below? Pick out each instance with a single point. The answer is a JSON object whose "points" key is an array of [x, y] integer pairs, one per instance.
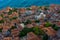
{"points": [[38, 31], [27, 22], [45, 37], [14, 10], [28, 9], [13, 27], [48, 24], [25, 31], [37, 21], [0, 29], [58, 11], [13, 18], [10, 12], [55, 27], [1, 15], [1, 21], [46, 8]]}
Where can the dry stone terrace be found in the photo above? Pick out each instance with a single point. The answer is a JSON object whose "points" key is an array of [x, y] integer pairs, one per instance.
{"points": [[42, 22]]}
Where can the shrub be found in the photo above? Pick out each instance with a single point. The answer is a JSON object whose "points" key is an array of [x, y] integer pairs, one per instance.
{"points": [[55, 27], [1, 21], [48, 24], [25, 31], [38, 31]]}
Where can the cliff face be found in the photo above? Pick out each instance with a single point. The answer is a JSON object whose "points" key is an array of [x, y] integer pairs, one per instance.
{"points": [[26, 3]]}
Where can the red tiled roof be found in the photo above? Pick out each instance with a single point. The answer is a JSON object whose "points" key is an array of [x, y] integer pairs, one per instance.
{"points": [[7, 38], [14, 32], [32, 36]]}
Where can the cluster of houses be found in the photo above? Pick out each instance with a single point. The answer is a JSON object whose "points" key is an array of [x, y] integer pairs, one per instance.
{"points": [[14, 20]]}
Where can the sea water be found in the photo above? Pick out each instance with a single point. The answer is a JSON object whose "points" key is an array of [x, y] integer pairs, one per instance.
{"points": [[26, 3]]}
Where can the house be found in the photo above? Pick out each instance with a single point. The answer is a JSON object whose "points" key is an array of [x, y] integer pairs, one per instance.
{"points": [[7, 38], [43, 7], [5, 31], [34, 7], [1, 18], [7, 9], [22, 10], [41, 26], [29, 25], [14, 32], [42, 15], [32, 36], [10, 16], [20, 27], [1, 36], [49, 31], [5, 28], [52, 5], [16, 38], [1, 26], [58, 23], [15, 20], [15, 14]]}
